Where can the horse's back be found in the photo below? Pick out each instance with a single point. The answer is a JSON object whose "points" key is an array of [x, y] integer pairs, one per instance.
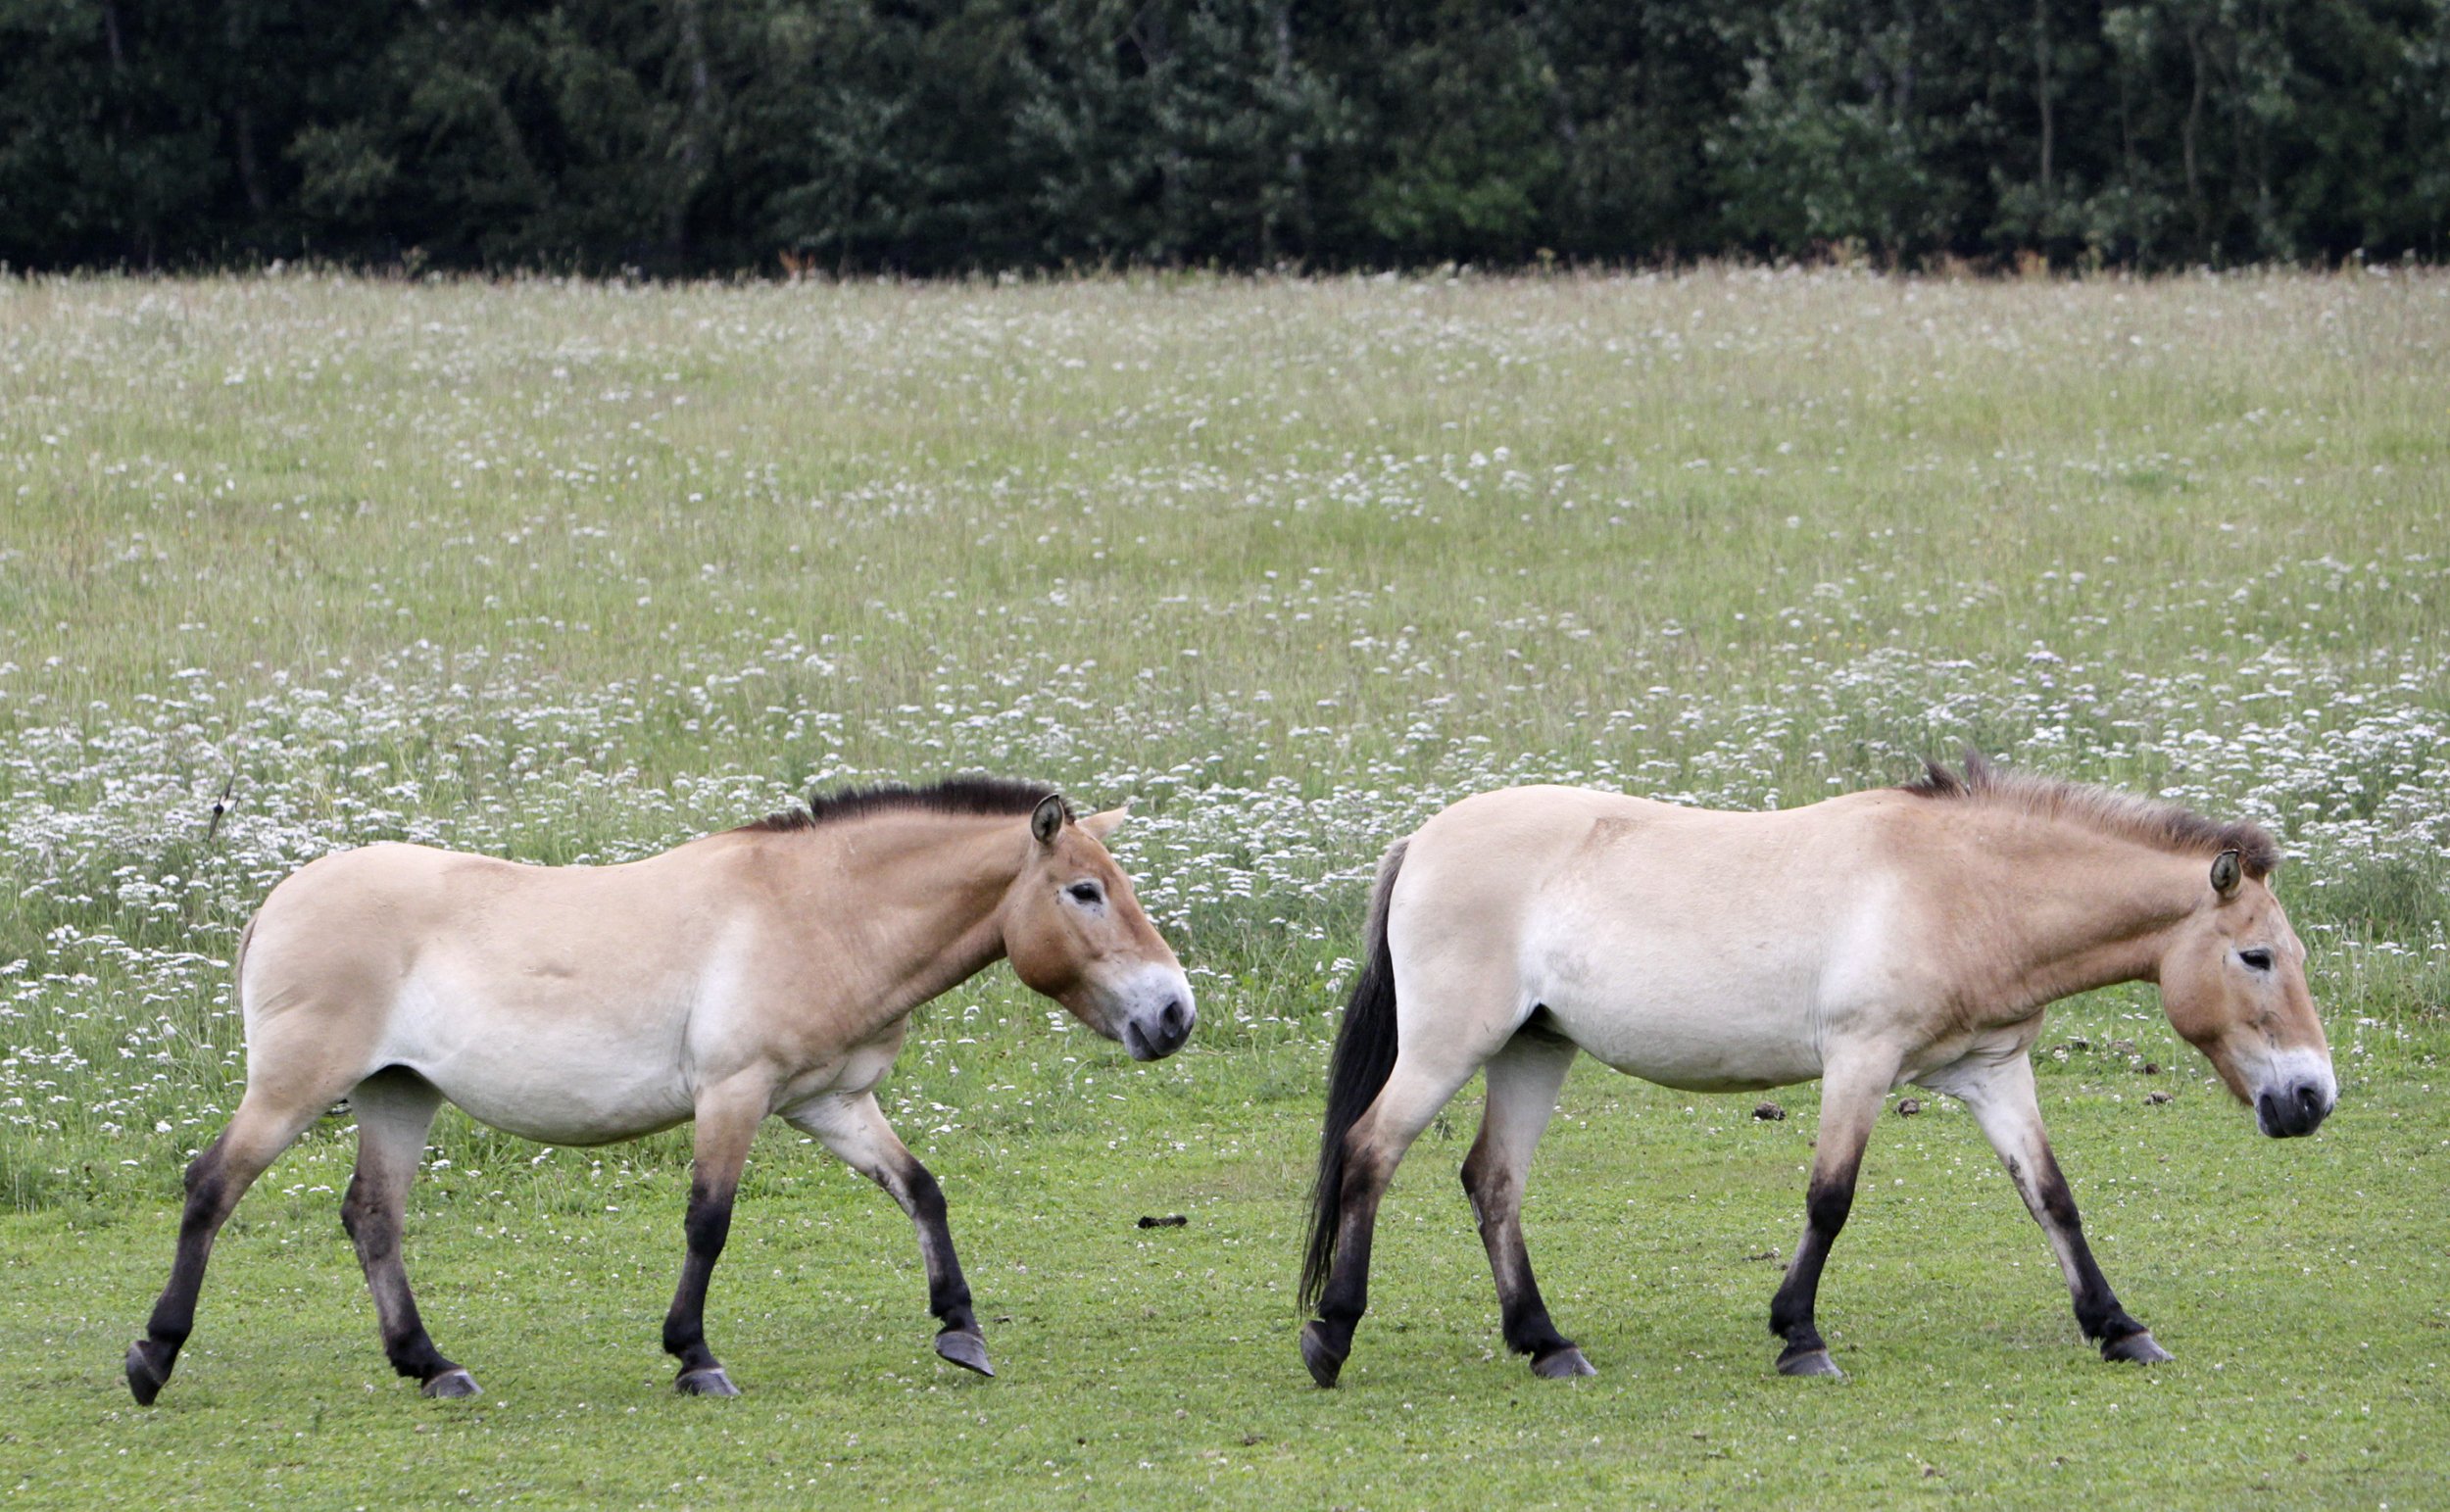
{"points": [[1679, 866], [381, 910], [352, 921]]}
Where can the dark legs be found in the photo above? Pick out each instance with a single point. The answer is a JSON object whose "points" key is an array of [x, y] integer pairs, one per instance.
{"points": [[1850, 1099], [1523, 1082], [1420, 1084], [2003, 1101], [216, 1180], [727, 1123], [395, 1109], [855, 1130]]}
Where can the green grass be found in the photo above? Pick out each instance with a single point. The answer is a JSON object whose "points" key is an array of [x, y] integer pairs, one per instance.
{"points": [[2301, 1286], [1291, 565]]}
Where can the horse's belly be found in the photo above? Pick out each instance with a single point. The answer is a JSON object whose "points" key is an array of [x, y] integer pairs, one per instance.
{"points": [[1701, 1038], [1707, 1060], [555, 1110], [546, 1070], [1686, 1001]]}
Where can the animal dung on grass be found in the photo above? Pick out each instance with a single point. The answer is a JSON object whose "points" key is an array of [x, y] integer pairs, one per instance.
{"points": [[1907, 1107], [1169, 1220], [1769, 1113]]}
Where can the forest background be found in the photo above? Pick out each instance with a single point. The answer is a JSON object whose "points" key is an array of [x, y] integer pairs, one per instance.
{"points": [[948, 136]]}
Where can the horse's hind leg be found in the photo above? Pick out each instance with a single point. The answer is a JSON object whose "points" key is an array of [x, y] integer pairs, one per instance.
{"points": [[264, 1126], [727, 1124], [1424, 1079], [395, 1108], [1523, 1082], [855, 1130]]}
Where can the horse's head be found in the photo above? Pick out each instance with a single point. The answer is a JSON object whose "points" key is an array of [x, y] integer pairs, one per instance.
{"points": [[2233, 983], [1073, 931]]}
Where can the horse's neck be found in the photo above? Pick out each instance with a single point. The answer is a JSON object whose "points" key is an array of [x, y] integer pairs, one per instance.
{"points": [[2064, 910], [922, 895]]}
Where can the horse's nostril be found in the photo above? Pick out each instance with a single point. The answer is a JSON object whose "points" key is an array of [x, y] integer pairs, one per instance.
{"points": [[2300, 1110], [1175, 1021]]}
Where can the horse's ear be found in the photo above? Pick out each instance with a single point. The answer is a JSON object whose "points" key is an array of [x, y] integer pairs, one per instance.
{"points": [[1100, 825], [1046, 819], [2227, 875]]}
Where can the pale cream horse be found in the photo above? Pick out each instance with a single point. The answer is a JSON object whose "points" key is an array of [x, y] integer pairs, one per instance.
{"points": [[1902, 934], [765, 970]]}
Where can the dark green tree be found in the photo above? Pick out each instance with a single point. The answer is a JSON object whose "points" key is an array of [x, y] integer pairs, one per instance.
{"points": [[949, 136]]}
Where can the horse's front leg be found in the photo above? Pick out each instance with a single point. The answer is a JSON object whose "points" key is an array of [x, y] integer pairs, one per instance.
{"points": [[2005, 1104], [854, 1128], [727, 1119], [1851, 1091]]}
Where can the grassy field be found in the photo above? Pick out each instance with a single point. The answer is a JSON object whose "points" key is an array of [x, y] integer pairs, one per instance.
{"points": [[573, 571]]}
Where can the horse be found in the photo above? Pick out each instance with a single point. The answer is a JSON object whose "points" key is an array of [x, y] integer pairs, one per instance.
{"points": [[769, 970], [1901, 935]]}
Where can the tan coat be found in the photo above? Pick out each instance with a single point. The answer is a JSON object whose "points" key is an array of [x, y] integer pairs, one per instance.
{"points": [[767, 970], [1903, 935]]}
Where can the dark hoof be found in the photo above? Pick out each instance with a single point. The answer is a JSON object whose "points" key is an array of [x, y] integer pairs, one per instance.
{"points": [[1563, 1364], [963, 1348], [2135, 1349], [147, 1375], [1809, 1362], [453, 1382], [708, 1380], [1324, 1362]]}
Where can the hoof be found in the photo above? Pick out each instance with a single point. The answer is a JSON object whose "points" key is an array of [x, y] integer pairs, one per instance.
{"points": [[1325, 1363], [2135, 1349], [453, 1382], [1563, 1364], [1809, 1362], [708, 1380], [146, 1375], [963, 1348]]}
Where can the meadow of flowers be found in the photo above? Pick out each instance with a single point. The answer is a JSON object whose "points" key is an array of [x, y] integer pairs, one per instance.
{"points": [[574, 572]]}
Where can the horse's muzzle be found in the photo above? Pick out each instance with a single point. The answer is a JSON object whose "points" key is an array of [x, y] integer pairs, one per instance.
{"points": [[1155, 1034], [2285, 1113]]}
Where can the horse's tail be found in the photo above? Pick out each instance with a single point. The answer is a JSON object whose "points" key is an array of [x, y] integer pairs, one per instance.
{"points": [[1366, 1053]]}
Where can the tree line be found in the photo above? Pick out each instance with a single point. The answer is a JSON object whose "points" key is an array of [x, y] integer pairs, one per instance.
{"points": [[938, 136]]}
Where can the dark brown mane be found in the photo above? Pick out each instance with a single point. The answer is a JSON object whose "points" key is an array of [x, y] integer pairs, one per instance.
{"points": [[971, 795], [2147, 819]]}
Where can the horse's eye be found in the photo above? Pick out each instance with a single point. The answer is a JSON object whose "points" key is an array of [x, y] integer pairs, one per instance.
{"points": [[1086, 892], [2260, 960]]}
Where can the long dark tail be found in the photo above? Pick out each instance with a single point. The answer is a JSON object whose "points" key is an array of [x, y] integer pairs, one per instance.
{"points": [[1365, 1052]]}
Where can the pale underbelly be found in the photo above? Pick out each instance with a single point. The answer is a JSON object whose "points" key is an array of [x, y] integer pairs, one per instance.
{"points": [[564, 1080], [552, 1111], [1693, 1050], [546, 1071]]}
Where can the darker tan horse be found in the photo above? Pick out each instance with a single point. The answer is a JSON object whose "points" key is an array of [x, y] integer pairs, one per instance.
{"points": [[767, 971], [1902, 934]]}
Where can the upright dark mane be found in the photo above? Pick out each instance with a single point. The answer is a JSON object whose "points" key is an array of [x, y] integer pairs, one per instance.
{"points": [[972, 794], [2150, 820]]}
